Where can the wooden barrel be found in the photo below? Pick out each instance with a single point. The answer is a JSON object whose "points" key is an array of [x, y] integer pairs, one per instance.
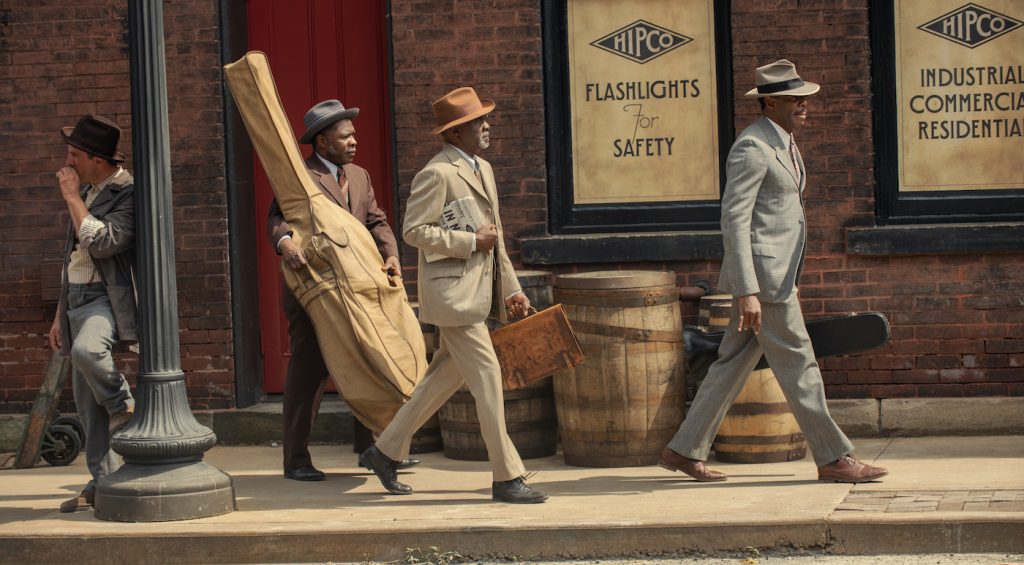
{"points": [[427, 439], [537, 287], [713, 312], [529, 418], [625, 401], [759, 427]]}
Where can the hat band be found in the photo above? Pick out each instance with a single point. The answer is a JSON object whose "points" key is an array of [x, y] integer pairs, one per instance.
{"points": [[458, 112], [780, 86]]}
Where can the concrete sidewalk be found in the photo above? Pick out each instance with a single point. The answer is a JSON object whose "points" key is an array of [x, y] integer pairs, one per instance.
{"points": [[943, 494]]}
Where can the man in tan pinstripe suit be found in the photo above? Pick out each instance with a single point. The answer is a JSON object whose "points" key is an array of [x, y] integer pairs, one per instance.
{"points": [[765, 234], [463, 277]]}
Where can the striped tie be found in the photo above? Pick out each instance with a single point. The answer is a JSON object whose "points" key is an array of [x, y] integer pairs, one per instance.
{"points": [[793, 154]]}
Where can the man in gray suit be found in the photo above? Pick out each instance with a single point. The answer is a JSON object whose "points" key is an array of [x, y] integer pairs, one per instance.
{"points": [[765, 236], [463, 278]]}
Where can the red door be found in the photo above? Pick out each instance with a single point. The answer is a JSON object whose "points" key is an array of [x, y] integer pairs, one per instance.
{"points": [[319, 49]]}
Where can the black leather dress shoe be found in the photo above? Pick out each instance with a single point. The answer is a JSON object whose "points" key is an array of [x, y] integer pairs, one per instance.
{"points": [[307, 473], [385, 468], [408, 463], [516, 492], [403, 464]]}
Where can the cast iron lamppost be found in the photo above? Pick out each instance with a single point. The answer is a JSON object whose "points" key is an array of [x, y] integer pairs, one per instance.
{"points": [[164, 476]]}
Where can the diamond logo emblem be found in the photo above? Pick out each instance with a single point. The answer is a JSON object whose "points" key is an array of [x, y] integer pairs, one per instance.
{"points": [[641, 41], [971, 25]]}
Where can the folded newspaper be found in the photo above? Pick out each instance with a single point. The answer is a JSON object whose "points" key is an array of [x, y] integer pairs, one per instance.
{"points": [[458, 215]]}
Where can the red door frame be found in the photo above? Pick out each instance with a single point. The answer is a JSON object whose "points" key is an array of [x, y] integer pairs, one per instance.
{"points": [[320, 49]]}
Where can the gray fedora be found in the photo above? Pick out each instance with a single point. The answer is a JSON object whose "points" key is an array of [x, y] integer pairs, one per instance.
{"points": [[780, 79], [322, 115]]}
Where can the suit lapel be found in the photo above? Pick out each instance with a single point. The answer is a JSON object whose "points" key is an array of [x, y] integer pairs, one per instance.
{"points": [[466, 171], [781, 153], [328, 184]]}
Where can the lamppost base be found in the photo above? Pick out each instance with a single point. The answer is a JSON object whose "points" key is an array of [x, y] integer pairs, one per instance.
{"points": [[163, 493]]}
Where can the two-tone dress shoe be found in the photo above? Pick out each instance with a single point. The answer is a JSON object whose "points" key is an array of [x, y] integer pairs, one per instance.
{"points": [[516, 492], [385, 468], [847, 469], [80, 502], [674, 462], [307, 473]]}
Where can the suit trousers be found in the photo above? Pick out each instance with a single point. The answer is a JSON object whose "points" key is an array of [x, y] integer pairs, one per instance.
{"points": [[465, 355], [304, 388], [99, 389], [785, 344]]}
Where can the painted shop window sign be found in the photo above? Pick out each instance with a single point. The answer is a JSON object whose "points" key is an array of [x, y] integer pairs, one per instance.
{"points": [[949, 122], [638, 96]]}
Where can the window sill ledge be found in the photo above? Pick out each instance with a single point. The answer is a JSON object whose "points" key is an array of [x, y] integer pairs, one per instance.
{"points": [[928, 239], [622, 247]]}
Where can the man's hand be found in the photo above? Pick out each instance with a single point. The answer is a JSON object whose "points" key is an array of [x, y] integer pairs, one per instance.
{"points": [[517, 305], [69, 183], [393, 270], [486, 237], [55, 335], [750, 313], [292, 254]]}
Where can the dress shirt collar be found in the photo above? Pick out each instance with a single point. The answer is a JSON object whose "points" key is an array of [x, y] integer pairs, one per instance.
{"points": [[471, 160], [786, 137], [330, 166]]}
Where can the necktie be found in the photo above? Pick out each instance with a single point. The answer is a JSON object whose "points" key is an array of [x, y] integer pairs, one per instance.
{"points": [[793, 154], [476, 170], [343, 185]]}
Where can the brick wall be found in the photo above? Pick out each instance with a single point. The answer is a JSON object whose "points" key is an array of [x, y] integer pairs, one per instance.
{"points": [[59, 61], [496, 48], [958, 324], [957, 320]]}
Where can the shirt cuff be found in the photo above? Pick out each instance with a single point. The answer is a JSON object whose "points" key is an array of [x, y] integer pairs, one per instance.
{"points": [[90, 228], [278, 244]]}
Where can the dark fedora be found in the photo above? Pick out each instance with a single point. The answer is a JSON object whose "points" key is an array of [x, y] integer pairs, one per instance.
{"points": [[95, 135], [322, 115]]}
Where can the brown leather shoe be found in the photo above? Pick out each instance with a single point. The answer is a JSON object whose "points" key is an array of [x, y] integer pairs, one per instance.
{"points": [[847, 469], [80, 502], [674, 462]]}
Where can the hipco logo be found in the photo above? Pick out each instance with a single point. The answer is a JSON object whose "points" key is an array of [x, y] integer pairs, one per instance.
{"points": [[971, 25], [641, 41]]}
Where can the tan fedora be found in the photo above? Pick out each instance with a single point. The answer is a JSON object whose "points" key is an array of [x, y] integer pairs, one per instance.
{"points": [[458, 107], [780, 79]]}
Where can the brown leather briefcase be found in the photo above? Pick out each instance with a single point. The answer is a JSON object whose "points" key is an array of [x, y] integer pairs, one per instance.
{"points": [[535, 347]]}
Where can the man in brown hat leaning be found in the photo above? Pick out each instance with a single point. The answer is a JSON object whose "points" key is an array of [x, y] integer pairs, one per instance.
{"points": [[765, 234], [97, 306], [463, 277], [331, 132]]}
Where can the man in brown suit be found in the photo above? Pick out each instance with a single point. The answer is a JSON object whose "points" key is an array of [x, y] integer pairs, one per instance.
{"points": [[330, 130], [463, 278]]}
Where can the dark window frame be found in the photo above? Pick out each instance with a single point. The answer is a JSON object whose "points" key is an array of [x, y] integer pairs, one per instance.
{"points": [[933, 207], [566, 217]]}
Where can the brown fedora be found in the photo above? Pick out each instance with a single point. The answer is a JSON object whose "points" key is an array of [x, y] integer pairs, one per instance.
{"points": [[95, 135], [458, 107]]}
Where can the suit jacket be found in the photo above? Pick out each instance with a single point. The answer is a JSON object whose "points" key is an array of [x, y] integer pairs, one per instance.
{"points": [[763, 225], [113, 253], [458, 290], [362, 205]]}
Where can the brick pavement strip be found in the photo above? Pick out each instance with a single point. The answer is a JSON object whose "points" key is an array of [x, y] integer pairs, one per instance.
{"points": [[931, 501]]}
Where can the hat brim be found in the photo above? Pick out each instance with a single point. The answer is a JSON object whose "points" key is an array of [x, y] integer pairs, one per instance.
{"points": [[485, 108], [65, 133], [807, 89], [321, 124]]}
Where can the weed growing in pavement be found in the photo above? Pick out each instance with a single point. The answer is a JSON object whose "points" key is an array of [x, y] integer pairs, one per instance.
{"points": [[432, 556]]}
